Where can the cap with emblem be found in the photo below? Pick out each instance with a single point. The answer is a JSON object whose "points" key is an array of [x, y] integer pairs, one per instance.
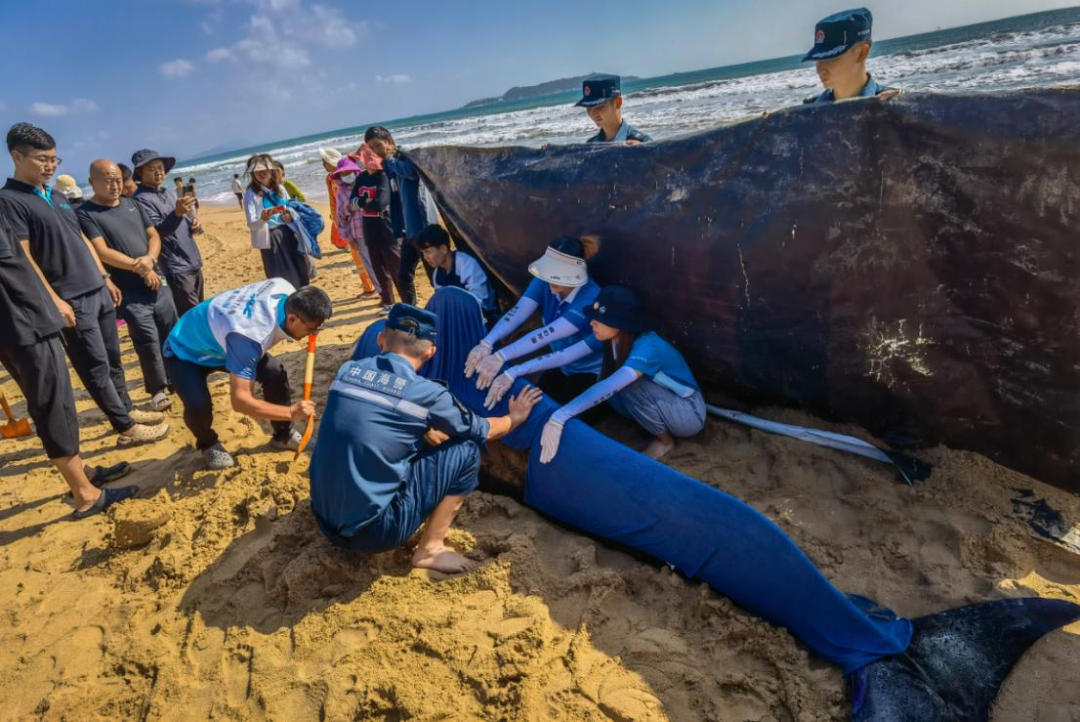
{"points": [[834, 35], [618, 307], [412, 320], [598, 89]]}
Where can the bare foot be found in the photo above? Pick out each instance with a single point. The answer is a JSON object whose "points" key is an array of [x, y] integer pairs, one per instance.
{"points": [[660, 446], [442, 560]]}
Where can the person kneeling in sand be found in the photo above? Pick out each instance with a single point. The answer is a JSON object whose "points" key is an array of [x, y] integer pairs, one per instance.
{"points": [[373, 481], [233, 332], [644, 377]]}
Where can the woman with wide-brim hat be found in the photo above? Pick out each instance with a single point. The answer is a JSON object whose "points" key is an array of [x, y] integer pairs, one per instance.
{"points": [[644, 377], [561, 290]]}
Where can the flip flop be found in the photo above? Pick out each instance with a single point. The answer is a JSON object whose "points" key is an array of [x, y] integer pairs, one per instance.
{"points": [[108, 498], [110, 473]]}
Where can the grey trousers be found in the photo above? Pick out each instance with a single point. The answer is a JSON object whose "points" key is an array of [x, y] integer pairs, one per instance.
{"points": [[150, 316], [658, 409]]}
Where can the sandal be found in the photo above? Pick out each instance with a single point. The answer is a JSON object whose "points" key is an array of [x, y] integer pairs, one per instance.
{"points": [[105, 474], [107, 498]]}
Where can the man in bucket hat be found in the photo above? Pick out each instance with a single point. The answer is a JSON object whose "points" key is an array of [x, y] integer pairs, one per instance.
{"points": [[180, 259], [841, 46], [373, 479], [601, 96]]}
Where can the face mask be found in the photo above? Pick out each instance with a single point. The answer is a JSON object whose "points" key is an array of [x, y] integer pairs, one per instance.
{"points": [[349, 178]]}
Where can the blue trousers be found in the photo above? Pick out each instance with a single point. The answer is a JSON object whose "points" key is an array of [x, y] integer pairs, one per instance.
{"points": [[449, 469]]}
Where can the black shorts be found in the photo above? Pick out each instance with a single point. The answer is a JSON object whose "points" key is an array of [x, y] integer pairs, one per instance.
{"points": [[41, 372]]}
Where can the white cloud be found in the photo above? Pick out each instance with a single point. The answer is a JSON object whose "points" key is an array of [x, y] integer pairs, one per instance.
{"points": [[219, 54], [78, 106], [282, 33], [178, 68], [394, 79]]}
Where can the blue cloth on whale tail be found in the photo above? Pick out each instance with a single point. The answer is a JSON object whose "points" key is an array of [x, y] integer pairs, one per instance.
{"points": [[607, 489]]}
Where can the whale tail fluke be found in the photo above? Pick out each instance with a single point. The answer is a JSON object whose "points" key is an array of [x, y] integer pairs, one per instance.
{"points": [[956, 662]]}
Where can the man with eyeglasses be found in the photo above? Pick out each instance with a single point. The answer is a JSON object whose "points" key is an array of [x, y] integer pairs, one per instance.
{"points": [[127, 242], [76, 281], [234, 332]]}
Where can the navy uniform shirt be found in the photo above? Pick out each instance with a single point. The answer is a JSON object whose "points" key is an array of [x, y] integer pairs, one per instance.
{"points": [[870, 90], [373, 427], [46, 220], [179, 254], [27, 312], [123, 228], [626, 132]]}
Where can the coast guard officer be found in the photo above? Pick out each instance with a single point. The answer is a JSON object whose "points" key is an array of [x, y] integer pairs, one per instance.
{"points": [[373, 482], [601, 96], [841, 46], [233, 332]]}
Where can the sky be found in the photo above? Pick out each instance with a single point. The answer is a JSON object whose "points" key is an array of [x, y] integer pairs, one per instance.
{"points": [[189, 77]]}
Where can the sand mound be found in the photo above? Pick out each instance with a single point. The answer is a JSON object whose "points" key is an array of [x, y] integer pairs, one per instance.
{"points": [[215, 595]]}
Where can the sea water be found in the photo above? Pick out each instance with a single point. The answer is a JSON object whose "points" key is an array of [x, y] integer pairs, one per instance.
{"points": [[1032, 50]]}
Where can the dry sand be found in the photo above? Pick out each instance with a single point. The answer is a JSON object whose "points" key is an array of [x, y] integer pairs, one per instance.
{"points": [[215, 596]]}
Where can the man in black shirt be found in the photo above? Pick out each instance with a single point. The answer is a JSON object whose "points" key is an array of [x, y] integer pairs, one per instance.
{"points": [[75, 279], [127, 242], [30, 351]]}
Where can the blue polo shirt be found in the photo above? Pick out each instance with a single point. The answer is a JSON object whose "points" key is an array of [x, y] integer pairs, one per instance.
{"points": [[372, 429], [660, 361], [192, 340], [626, 132], [870, 90], [552, 307]]}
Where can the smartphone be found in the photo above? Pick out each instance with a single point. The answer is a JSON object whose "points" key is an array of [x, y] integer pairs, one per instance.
{"points": [[188, 192]]}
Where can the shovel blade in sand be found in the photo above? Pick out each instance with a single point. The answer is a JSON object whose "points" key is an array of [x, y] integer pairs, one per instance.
{"points": [[15, 427]]}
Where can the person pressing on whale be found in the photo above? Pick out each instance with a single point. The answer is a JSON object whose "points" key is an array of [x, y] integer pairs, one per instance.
{"points": [[373, 480], [561, 290], [644, 378], [842, 45], [601, 96], [453, 268]]}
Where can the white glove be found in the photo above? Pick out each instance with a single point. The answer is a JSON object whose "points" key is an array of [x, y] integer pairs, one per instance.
{"points": [[480, 352], [498, 389], [549, 440], [489, 369]]}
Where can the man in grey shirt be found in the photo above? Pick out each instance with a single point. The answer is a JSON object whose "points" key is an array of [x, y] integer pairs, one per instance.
{"points": [[180, 258], [127, 242]]}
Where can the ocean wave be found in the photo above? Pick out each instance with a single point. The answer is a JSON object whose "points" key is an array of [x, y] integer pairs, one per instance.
{"points": [[1008, 58]]}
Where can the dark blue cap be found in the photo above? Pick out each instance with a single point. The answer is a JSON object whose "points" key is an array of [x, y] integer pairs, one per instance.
{"points": [[618, 307], [412, 320], [836, 33], [598, 89]]}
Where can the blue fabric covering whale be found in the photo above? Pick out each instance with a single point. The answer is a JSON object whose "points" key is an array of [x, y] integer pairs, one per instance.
{"points": [[712, 536]]}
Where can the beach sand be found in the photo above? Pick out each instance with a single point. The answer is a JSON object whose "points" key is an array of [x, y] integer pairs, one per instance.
{"points": [[215, 596]]}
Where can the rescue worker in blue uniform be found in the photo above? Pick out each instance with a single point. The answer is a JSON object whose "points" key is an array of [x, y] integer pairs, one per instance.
{"points": [[601, 96], [456, 269], [644, 378], [560, 291], [233, 332], [396, 449], [841, 46]]}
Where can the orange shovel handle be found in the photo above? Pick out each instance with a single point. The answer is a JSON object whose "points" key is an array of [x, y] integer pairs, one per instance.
{"points": [[309, 375]]}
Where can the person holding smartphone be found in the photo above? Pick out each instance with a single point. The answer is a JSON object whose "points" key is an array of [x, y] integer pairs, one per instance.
{"points": [[268, 219]]}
